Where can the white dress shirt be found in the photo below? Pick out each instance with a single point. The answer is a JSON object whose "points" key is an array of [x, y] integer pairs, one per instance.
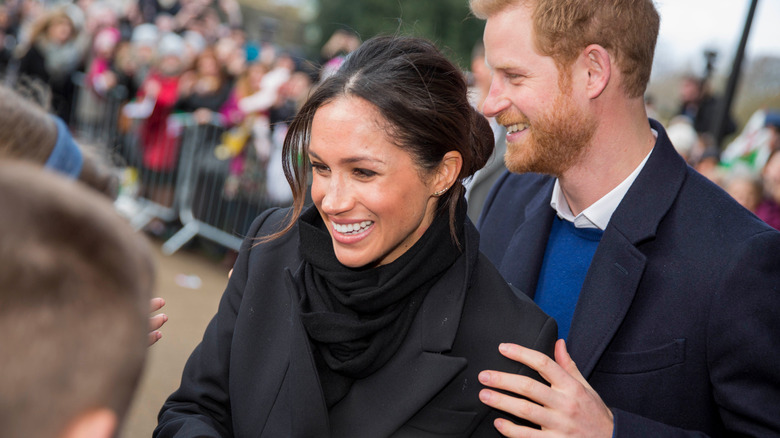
{"points": [[597, 215]]}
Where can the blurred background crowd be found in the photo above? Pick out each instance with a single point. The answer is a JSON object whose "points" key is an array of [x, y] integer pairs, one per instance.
{"points": [[189, 93], [173, 95]]}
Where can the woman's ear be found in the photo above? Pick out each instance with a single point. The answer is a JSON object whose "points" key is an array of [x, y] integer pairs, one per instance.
{"points": [[599, 66], [448, 171]]}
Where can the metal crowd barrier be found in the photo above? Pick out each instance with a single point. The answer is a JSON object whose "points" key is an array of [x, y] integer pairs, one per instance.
{"points": [[147, 157], [220, 193], [95, 116], [181, 171]]}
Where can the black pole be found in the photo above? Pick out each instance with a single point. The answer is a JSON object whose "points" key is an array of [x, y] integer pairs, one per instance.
{"points": [[724, 109]]}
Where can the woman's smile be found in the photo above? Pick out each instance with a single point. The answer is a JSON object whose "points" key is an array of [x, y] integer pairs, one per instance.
{"points": [[350, 233]]}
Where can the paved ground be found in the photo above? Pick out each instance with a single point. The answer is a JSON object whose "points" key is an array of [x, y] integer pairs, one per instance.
{"points": [[189, 311]]}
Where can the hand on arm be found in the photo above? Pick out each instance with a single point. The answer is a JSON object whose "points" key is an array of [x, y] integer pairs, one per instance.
{"points": [[568, 407]]}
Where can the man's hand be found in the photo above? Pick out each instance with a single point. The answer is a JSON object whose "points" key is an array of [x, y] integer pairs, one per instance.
{"points": [[568, 407]]}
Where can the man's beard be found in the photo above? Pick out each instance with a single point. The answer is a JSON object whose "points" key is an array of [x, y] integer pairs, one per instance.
{"points": [[553, 143]]}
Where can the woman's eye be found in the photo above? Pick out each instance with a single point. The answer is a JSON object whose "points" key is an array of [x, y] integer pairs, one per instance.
{"points": [[319, 168], [364, 173]]}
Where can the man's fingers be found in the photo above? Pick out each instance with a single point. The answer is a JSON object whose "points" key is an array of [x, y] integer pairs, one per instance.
{"points": [[518, 407], [540, 362], [517, 384], [563, 359], [512, 430]]}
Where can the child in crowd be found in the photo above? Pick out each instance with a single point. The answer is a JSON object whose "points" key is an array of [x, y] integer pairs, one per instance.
{"points": [[95, 113]]}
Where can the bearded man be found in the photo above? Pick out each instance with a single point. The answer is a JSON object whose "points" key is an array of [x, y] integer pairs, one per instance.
{"points": [[666, 291]]}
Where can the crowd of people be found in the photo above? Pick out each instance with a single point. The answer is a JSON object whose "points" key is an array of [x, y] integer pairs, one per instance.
{"points": [[146, 70], [607, 289], [747, 167], [193, 58]]}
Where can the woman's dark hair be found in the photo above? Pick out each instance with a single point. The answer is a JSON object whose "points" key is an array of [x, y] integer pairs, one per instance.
{"points": [[422, 96]]}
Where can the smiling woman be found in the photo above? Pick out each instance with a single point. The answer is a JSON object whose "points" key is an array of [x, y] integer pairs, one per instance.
{"points": [[372, 312], [372, 198]]}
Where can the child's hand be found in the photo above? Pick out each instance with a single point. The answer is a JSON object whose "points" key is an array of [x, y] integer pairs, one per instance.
{"points": [[156, 321]]}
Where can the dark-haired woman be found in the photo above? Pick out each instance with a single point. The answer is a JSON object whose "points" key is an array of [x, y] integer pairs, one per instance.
{"points": [[371, 313]]}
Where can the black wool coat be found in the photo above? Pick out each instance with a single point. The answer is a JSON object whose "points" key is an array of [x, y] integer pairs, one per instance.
{"points": [[239, 380]]}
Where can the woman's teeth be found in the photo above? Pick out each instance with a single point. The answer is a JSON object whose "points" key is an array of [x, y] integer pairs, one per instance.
{"points": [[352, 228]]}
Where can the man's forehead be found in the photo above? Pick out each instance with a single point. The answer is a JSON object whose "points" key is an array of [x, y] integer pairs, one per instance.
{"points": [[508, 36]]}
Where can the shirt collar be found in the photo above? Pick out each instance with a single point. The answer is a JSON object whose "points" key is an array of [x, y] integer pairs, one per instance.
{"points": [[598, 214]]}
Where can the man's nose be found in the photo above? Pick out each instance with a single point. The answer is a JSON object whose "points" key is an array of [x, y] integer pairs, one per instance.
{"points": [[496, 100]]}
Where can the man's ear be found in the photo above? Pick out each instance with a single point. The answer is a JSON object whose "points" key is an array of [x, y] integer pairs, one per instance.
{"points": [[98, 423], [448, 171], [599, 67]]}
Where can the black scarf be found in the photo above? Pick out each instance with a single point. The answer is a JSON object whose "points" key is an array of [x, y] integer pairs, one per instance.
{"points": [[358, 318]]}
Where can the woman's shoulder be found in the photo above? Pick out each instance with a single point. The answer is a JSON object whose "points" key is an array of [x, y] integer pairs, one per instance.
{"points": [[490, 289], [270, 222], [260, 255]]}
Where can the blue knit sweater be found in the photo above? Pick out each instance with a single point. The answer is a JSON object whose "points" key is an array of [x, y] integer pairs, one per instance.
{"points": [[566, 262]]}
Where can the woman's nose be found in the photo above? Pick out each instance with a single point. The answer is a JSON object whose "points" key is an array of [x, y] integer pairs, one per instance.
{"points": [[337, 197]]}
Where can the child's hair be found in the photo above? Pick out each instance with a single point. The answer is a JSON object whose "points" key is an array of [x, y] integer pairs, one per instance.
{"points": [[75, 282]]}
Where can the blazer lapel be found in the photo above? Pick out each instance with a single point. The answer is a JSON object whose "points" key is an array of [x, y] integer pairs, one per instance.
{"points": [[523, 259], [265, 358], [380, 404], [605, 298], [618, 264]]}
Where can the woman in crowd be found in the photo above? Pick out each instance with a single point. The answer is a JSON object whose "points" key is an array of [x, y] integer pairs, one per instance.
{"points": [[50, 58], [204, 89], [372, 312]]}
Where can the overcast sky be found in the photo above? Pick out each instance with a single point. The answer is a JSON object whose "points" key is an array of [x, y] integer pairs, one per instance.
{"points": [[688, 27]]}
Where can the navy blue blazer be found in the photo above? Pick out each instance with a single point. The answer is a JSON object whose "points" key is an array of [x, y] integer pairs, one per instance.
{"points": [[677, 326], [254, 376]]}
